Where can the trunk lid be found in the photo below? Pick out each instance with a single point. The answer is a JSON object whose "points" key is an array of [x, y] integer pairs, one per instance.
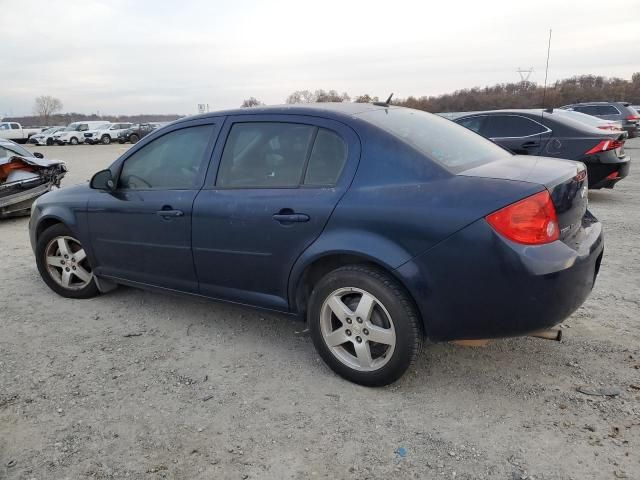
{"points": [[565, 180]]}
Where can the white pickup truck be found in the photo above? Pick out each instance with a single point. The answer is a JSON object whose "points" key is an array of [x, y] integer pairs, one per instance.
{"points": [[14, 131]]}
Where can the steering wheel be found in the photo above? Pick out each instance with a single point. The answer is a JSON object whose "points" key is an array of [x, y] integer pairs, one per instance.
{"points": [[142, 180]]}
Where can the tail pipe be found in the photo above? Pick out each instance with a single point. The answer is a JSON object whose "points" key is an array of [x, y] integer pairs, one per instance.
{"points": [[548, 334]]}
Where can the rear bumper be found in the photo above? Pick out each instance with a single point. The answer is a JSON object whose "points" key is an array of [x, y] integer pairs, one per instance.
{"points": [[606, 175], [20, 203], [478, 285], [631, 129]]}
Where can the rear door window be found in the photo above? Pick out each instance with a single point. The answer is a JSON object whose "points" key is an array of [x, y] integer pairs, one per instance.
{"points": [[265, 155], [607, 110], [588, 109], [511, 126]]}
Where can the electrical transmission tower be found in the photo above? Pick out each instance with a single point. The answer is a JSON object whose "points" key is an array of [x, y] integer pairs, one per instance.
{"points": [[525, 74]]}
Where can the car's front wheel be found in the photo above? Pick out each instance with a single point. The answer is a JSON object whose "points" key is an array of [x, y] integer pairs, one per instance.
{"points": [[364, 325], [133, 138], [73, 141], [106, 139], [63, 264]]}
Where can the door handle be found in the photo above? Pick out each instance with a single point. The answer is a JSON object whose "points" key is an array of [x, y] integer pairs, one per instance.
{"points": [[530, 144], [291, 217], [170, 213]]}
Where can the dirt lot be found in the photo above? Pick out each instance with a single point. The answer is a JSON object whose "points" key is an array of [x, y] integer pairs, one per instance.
{"points": [[141, 385]]}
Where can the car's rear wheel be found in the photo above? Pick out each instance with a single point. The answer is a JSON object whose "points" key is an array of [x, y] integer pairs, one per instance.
{"points": [[73, 141], [106, 139], [133, 138], [63, 264], [364, 325], [49, 142]]}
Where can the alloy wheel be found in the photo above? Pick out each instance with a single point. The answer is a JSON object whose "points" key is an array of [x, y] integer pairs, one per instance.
{"points": [[67, 263], [358, 329]]}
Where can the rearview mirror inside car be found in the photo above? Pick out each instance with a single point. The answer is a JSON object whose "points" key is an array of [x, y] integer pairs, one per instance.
{"points": [[103, 180]]}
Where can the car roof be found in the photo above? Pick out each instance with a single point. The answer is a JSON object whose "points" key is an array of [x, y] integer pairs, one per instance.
{"points": [[598, 103], [334, 110], [511, 111]]}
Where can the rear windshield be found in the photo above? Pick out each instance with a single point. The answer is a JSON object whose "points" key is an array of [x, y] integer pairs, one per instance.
{"points": [[443, 141]]}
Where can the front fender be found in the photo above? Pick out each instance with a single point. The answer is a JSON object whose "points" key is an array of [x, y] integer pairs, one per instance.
{"points": [[73, 214]]}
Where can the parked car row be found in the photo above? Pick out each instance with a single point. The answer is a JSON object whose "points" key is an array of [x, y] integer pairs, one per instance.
{"points": [[573, 132], [91, 133], [15, 132]]}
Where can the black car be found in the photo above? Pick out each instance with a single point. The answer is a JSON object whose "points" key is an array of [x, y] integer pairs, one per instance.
{"points": [[136, 132], [554, 133], [622, 112]]}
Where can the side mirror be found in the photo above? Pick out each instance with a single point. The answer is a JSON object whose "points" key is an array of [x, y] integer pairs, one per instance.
{"points": [[38, 155], [103, 180]]}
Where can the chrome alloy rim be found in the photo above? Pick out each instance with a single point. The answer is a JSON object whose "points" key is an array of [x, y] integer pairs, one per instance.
{"points": [[358, 329], [67, 263]]}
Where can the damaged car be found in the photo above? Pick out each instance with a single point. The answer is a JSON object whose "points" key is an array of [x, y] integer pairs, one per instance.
{"points": [[24, 176]]}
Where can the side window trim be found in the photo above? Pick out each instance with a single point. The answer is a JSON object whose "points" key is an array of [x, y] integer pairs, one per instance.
{"points": [[312, 143], [546, 129]]}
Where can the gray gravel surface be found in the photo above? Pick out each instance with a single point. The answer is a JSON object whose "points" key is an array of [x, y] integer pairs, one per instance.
{"points": [[140, 385]]}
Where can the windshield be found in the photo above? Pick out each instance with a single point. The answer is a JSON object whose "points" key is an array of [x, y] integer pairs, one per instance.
{"points": [[443, 141], [18, 150], [72, 127]]}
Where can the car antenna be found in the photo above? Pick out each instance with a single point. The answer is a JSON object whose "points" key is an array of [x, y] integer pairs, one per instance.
{"points": [[546, 73], [385, 103]]}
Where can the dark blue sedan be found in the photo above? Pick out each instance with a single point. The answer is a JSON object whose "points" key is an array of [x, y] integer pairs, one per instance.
{"points": [[380, 225]]}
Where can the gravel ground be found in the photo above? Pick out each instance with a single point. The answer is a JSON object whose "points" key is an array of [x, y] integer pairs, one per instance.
{"points": [[141, 385]]}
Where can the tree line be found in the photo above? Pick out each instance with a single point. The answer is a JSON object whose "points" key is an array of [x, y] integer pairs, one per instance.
{"points": [[582, 88]]}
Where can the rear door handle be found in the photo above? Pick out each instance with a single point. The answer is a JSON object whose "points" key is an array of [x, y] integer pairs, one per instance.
{"points": [[170, 213], [530, 144], [291, 217]]}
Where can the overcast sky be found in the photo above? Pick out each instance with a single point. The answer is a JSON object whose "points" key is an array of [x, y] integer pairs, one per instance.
{"points": [[160, 56]]}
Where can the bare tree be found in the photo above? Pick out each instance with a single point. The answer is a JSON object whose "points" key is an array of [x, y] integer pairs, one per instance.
{"points": [[366, 98], [301, 96], [45, 106], [251, 102], [305, 96]]}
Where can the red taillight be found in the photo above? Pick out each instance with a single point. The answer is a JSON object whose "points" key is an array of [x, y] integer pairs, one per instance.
{"points": [[531, 221], [605, 145], [631, 117], [612, 176]]}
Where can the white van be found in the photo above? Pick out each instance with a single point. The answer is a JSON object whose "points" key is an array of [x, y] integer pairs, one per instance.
{"points": [[74, 133]]}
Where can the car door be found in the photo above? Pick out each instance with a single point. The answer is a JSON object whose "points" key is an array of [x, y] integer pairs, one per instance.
{"points": [[519, 134], [141, 232], [278, 179]]}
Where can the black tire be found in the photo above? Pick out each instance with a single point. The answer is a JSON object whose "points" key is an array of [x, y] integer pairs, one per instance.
{"points": [[49, 142], [73, 141], [133, 138], [46, 237], [121, 141], [106, 139], [392, 297]]}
